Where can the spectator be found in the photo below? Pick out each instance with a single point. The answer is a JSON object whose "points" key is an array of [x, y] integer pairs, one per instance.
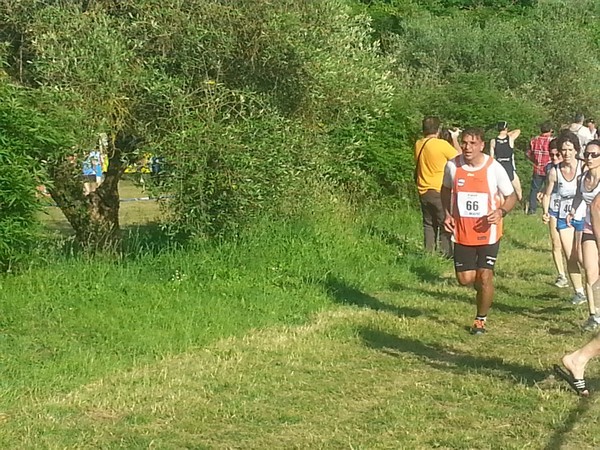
{"points": [[583, 133], [431, 156], [502, 150], [591, 125], [89, 172], [539, 154]]}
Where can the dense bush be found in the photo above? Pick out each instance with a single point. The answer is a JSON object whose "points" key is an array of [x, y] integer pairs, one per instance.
{"points": [[23, 134]]}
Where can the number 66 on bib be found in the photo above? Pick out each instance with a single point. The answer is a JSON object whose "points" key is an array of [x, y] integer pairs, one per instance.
{"points": [[472, 204]]}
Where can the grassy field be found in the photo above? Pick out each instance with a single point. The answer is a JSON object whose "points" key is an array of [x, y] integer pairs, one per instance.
{"points": [[328, 332]]}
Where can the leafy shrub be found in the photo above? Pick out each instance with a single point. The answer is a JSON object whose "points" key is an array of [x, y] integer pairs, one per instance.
{"points": [[23, 132]]}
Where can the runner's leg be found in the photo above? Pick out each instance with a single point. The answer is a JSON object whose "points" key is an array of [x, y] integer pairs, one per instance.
{"points": [[516, 182], [557, 253], [567, 239]]}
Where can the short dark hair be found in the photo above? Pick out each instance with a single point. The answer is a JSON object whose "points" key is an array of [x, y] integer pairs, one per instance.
{"points": [[553, 144], [578, 118], [546, 127], [431, 125], [475, 132], [568, 136], [587, 122], [502, 125]]}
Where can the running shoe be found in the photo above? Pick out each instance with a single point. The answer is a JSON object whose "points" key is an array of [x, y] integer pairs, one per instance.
{"points": [[478, 327], [579, 298], [561, 281], [590, 324]]}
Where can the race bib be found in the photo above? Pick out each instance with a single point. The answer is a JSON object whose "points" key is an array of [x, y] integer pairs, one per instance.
{"points": [[555, 203], [565, 208], [472, 204]]}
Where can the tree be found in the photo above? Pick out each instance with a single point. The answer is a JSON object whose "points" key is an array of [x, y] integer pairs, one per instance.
{"points": [[212, 86]]}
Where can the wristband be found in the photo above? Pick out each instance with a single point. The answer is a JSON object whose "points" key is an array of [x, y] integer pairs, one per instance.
{"points": [[504, 212]]}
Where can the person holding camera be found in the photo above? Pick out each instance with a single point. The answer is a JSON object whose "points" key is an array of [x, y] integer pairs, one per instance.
{"points": [[431, 156]]}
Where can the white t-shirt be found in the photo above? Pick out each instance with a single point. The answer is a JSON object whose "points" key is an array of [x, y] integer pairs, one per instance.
{"points": [[503, 183], [583, 134]]}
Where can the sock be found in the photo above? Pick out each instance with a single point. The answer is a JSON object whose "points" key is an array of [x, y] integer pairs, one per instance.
{"points": [[478, 317], [596, 318], [579, 291], [562, 275]]}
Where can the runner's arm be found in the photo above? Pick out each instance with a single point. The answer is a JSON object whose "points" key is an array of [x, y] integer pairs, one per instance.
{"points": [[454, 135], [548, 192], [446, 196], [507, 190], [513, 135], [576, 200], [492, 147]]}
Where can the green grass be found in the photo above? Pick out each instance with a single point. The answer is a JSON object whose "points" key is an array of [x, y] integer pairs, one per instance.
{"points": [[330, 331]]}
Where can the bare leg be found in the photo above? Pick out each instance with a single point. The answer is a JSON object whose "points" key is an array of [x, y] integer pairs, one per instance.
{"points": [[484, 284], [595, 213], [567, 239], [516, 182], [590, 264], [575, 362], [557, 254], [466, 278]]}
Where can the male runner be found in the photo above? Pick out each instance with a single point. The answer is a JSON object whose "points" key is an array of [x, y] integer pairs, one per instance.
{"points": [[473, 187]]}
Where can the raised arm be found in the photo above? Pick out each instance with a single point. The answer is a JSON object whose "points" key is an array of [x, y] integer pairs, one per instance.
{"points": [[512, 136], [454, 135]]}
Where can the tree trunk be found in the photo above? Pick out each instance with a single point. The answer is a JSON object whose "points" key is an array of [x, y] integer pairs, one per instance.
{"points": [[94, 217]]}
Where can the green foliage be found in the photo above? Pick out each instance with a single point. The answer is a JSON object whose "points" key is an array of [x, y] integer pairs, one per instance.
{"points": [[239, 97], [24, 133], [474, 63]]}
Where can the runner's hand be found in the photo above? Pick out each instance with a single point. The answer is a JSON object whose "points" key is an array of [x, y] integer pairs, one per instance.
{"points": [[494, 217], [454, 132], [568, 219], [539, 196], [449, 224], [545, 217]]}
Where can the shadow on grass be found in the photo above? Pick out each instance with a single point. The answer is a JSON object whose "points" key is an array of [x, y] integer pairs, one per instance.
{"points": [[559, 438], [342, 293], [515, 243], [572, 331], [449, 360], [418, 263], [136, 241], [468, 296]]}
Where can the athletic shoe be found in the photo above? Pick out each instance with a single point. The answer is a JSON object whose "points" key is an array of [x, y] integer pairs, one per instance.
{"points": [[579, 298], [478, 327], [561, 281], [590, 324]]}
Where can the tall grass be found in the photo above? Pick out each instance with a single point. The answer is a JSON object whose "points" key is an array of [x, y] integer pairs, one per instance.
{"points": [[76, 319]]}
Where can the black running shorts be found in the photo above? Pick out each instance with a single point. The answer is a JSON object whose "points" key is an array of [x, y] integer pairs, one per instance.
{"points": [[473, 257]]}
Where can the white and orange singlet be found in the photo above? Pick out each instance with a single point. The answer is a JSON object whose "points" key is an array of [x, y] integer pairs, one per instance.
{"points": [[474, 195]]}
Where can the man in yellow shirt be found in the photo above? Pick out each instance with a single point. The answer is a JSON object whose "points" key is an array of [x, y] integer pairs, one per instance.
{"points": [[431, 156]]}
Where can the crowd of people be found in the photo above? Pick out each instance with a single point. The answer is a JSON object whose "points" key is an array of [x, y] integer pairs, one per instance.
{"points": [[465, 193]]}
